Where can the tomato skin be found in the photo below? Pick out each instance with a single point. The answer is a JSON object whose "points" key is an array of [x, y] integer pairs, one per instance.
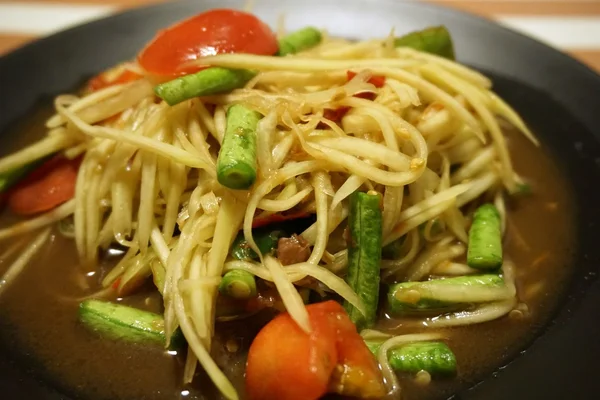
{"points": [[285, 363], [360, 376], [50, 185], [212, 32]]}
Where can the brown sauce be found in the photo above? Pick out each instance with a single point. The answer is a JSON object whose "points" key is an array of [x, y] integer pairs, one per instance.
{"points": [[38, 313]]}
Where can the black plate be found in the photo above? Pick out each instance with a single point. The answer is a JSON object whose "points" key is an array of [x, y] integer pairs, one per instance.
{"points": [[558, 97]]}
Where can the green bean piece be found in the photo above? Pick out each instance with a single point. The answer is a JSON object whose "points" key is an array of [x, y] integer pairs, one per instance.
{"points": [[10, 178], [364, 255], [485, 239], [207, 82], [236, 165], [434, 40], [399, 307], [238, 284], [300, 40], [266, 240], [433, 357], [121, 322]]}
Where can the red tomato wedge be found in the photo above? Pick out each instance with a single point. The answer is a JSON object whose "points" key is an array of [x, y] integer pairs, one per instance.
{"points": [[212, 32], [360, 376], [50, 185], [285, 363]]}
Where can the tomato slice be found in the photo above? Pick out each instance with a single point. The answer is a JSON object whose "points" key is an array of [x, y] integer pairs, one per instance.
{"points": [[360, 375], [285, 363], [206, 34], [50, 185]]}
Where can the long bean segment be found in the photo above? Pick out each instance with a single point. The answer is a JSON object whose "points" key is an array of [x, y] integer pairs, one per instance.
{"points": [[238, 284], [485, 239], [302, 39], [434, 40], [236, 165], [433, 357], [126, 323], [364, 255], [266, 240], [207, 82], [437, 294]]}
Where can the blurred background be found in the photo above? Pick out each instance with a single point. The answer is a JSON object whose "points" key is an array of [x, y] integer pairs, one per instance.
{"points": [[570, 25]]}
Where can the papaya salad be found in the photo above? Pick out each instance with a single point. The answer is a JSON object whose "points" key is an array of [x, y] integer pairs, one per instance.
{"points": [[331, 184]]}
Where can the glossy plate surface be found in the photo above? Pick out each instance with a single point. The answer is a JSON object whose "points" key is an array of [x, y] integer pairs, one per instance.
{"points": [[557, 96]]}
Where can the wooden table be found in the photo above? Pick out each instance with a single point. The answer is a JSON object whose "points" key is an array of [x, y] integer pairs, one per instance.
{"points": [[570, 25]]}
